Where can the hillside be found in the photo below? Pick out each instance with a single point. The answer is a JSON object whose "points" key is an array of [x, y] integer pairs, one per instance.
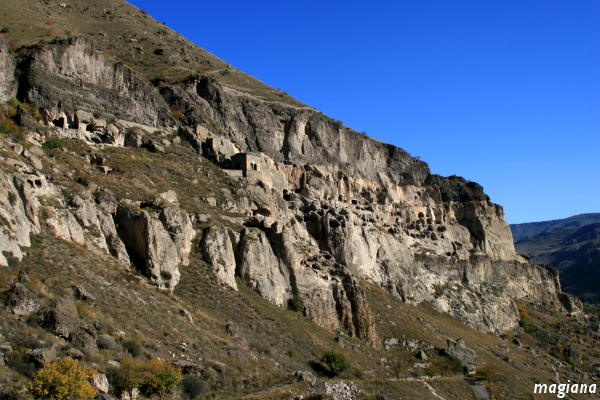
{"points": [[159, 206], [575, 252], [521, 231]]}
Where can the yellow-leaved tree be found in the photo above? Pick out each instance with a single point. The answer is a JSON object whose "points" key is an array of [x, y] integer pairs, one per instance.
{"points": [[64, 380]]}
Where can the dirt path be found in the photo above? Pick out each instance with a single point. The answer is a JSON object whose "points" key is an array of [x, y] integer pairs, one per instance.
{"points": [[274, 388], [480, 391]]}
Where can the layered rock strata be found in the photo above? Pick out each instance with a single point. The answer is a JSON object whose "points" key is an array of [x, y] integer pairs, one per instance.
{"points": [[322, 207]]}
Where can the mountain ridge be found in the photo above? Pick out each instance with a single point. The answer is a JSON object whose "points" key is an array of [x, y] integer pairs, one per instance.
{"points": [[525, 229]]}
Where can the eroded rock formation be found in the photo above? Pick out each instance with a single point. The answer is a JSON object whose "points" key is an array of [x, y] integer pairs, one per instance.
{"points": [[321, 207]]}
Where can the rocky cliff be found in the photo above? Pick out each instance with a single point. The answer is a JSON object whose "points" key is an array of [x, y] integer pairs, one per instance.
{"points": [[312, 208]]}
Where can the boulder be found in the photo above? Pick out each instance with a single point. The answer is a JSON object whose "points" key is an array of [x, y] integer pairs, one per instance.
{"points": [[134, 138], [185, 313], [457, 348], [74, 354], [218, 243], [87, 344], [21, 301], [84, 295], [260, 269], [305, 376], [61, 318], [178, 225], [107, 342], [43, 356], [100, 383], [23, 277]]}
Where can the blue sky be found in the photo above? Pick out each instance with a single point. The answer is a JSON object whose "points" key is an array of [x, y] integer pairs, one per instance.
{"points": [[504, 93]]}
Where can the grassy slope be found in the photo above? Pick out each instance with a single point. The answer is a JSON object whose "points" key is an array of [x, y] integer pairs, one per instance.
{"points": [[128, 35]]}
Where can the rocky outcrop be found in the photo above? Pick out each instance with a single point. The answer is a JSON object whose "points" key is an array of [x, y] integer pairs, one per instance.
{"points": [[43, 356], [296, 137], [466, 355], [21, 301], [159, 244], [61, 318], [76, 75], [7, 69], [179, 227], [218, 245], [260, 269]]}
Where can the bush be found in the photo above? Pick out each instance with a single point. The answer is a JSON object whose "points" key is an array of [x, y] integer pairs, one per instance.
{"points": [[133, 347], [13, 102], [159, 377], [296, 303], [292, 354], [82, 310], [8, 127], [489, 372], [127, 377], [444, 366], [336, 362], [193, 386], [153, 378], [64, 380], [54, 143]]}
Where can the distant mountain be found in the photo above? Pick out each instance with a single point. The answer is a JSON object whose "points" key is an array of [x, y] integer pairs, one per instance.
{"points": [[575, 252], [521, 231]]}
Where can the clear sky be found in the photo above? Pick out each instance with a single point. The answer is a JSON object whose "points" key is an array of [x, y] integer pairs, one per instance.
{"points": [[504, 93]]}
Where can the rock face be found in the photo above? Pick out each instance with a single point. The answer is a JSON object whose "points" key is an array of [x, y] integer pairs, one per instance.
{"points": [[217, 248], [78, 67], [61, 317], [457, 348], [320, 208], [160, 244], [295, 137], [7, 69], [21, 301]]}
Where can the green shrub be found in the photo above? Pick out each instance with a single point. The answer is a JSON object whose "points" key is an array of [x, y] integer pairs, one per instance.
{"points": [[292, 354], [158, 378], [296, 303], [54, 143], [13, 102], [193, 386], [336, 362], [8, 127], [133, 347], [82, 310]]}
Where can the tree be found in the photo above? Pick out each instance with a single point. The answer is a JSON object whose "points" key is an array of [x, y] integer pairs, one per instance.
{"points": [[336, 362], [127, 377], [398, 364], [153, 378], [159, 377], [64, 380]]}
